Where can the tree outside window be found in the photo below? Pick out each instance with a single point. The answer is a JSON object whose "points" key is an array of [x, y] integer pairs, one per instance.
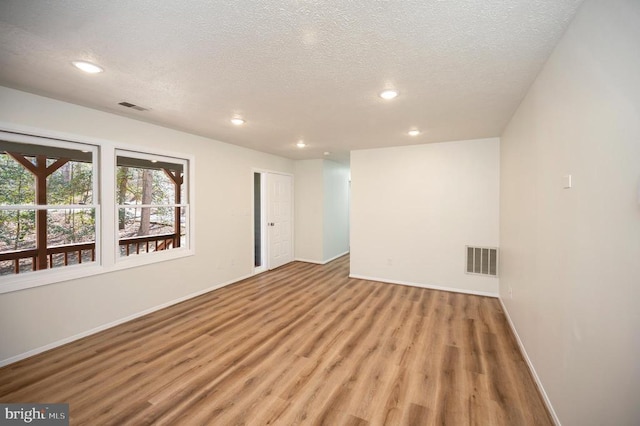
{"points": [[151, 204], [51, 226], [47, 211]]}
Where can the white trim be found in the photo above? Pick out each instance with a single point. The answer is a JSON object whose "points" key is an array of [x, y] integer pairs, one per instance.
{"points": [[291, 213], [536, 378], [32, 279], [103, 327], [104, 167], [150, 206], [321, 262], [30, 131], [125, 262], [171, 156], [188, 163], [17, 282], [275, 172], [432, 287], [335, 257], [317, 262], [144, 154], [108, 196], [32, 138]]}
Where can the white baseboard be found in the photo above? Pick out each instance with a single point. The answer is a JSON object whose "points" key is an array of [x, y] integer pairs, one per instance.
{"points": [[335, 257], [545, 397], [432, 287], [300, 259], [322, 262], [100, 328]]}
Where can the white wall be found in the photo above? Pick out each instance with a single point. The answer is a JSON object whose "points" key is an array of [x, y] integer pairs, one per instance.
{"points": [[32, 318], [572, 256], [414, 208], [308, 210], [336, 209]]}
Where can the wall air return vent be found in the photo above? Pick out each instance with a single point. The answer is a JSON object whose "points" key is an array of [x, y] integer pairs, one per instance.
{"points": [[482, 261], [133, 106]]}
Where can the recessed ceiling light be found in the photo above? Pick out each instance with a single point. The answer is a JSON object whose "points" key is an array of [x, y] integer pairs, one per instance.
{"points": [[237, 121], [413, 132], [388, 94], [301, 144], [154, 161], [87, 67], [327, 153]]}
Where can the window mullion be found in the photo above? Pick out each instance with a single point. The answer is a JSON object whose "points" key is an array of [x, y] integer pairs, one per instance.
{"points": [[108, 232], [104, 157]]}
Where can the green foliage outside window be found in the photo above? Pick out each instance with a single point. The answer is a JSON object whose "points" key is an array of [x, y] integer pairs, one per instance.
{"points": [[72, 184], [17, 186]]}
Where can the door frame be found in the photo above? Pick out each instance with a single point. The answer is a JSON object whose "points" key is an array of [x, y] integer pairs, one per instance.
{"points": [[264, 199]]}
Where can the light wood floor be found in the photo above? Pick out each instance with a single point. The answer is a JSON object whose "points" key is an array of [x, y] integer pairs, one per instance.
{"points": [[303, 344]]}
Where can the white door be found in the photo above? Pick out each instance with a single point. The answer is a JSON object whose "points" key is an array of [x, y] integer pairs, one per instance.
{"points": [[279, 219]]}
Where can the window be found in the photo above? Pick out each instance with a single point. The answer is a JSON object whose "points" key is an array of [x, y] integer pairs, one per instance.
{"points": [[151, 197], [65, 212], [47, 206]]}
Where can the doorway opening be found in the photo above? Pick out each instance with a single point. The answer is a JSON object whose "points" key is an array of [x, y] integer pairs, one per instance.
{"points": [[259, 223], [272, 220]]}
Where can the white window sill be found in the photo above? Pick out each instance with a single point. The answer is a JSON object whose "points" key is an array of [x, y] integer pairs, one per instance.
{"points": [[26, 280]]}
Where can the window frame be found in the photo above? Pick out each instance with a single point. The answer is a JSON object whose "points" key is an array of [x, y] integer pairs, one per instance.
{"points": [[146, 155], [104, 200]]}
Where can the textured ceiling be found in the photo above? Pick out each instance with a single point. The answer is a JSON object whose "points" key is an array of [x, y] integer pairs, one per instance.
{"points": [[294, 69]]}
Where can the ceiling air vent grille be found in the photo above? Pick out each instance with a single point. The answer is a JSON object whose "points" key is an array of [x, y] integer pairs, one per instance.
{"points": [[482, 261], [133, 106]]}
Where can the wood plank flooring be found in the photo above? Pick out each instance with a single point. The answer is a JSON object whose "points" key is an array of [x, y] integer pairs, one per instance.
{"points": [[303, 344]]}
